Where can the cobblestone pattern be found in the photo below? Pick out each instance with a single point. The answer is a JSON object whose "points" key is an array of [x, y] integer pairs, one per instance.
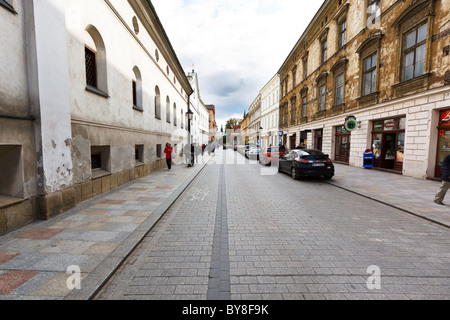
{"points": [[307, 240], [289, 240], [174, 261]]}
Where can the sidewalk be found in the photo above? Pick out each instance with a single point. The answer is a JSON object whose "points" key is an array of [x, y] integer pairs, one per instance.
{"points": [[96, 237], [415, 196]]}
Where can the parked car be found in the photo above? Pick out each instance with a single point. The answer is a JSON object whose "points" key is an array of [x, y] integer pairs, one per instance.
{"points": [[253, 153], [246, 148], [306, 163], [270, 154]]}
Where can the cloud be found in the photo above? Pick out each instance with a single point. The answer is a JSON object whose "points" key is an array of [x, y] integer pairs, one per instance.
{"points": [[235, 46]]}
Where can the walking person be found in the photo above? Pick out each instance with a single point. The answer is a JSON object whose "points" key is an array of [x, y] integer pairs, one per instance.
{"points": [[168, 151], [198, 151], [187, 153], [445, 177], [192, 155]]}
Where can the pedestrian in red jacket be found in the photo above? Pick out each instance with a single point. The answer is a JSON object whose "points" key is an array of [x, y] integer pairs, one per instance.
{"points": [[168, 151]]}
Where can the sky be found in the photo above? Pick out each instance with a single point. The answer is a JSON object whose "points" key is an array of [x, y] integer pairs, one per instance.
{"points": [[235, 46]]}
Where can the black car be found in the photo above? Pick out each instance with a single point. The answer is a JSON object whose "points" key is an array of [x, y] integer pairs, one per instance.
{"points": [[306, 163]]}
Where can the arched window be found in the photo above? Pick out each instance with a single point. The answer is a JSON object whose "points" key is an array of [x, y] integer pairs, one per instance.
{"points": [[137, 89], [181, 119], [175, 115], [157, 103], [95, 62], [168, 109]]}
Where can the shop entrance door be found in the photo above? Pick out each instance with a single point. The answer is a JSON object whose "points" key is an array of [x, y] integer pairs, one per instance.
{"points": [[388, 150]]}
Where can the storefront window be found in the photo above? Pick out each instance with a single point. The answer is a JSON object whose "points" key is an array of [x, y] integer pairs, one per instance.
{"points": [[444, 136], [378, 126], [388, 143], [444, 145], [402, 123], [376, 146], [400, 147]]}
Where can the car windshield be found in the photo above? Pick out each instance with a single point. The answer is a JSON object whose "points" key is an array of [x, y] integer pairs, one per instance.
{"points": [[272, 150]]}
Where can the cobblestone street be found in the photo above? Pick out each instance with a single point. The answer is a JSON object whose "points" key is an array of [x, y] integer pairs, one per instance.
{"points": [[239, 234]]}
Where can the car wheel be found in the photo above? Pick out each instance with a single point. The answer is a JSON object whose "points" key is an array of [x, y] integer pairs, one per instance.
{"points": [[328, 177], [279, 168], [294, 173]]}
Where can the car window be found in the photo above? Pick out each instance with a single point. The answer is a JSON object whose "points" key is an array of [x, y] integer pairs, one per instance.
{"points": [[291, 155], [313, 152]]}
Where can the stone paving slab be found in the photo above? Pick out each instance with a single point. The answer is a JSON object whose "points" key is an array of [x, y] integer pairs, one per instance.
{"points": [[415, 196], [285, 240], [96, 236]]}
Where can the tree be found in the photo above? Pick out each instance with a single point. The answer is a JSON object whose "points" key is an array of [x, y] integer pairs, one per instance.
{"points": [[232, 122]]}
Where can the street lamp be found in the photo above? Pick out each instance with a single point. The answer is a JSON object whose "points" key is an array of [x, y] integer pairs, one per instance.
{"points": [[190, 117], [259, 136]]}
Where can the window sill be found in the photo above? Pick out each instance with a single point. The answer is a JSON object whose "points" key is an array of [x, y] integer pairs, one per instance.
{"points": [[7, 201], [371, 98], [320, 115], [8, 7], [97, 92], [99, 173], [411, 85], [138, 109], [339, 108]]}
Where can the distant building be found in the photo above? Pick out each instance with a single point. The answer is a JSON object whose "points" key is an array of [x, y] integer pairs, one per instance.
{"points": [[254, 125], [212, 122], [270, 103], [200, 127]]}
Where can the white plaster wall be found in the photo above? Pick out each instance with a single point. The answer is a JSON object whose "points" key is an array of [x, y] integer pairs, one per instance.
{"points": [[13, 62], [54, 90], [124, 51]]}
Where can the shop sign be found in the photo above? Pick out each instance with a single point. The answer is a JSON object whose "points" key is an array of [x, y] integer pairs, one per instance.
{"points": [[445, 117], [389, 124], [350, 123]]}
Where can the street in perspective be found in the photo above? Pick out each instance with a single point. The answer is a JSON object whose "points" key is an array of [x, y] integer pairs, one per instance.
{"points": [[225, 155]]}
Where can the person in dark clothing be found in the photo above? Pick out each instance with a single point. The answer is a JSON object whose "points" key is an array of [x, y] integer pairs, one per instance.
{"points": [[192, 155], [445, 177], [168, 151]]}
